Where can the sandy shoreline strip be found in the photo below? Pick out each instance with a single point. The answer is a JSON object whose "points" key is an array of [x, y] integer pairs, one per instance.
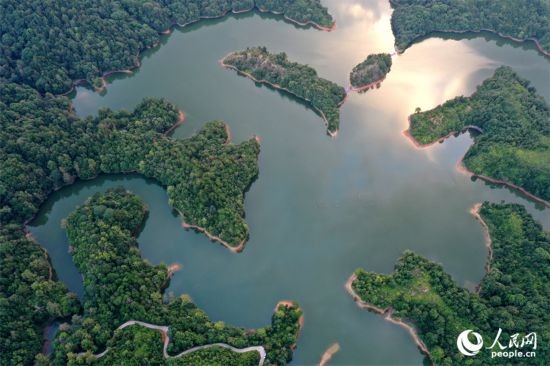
{"points": [[387, 313], [487, 239], [462, 169], [518, 40], [181, 118], [233, 249], [365, 87], [278, 87], [327, 356], [169, 31], [290, 304]]}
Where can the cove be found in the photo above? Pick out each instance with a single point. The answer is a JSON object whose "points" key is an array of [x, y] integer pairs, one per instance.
{"points": [[321, 207]]}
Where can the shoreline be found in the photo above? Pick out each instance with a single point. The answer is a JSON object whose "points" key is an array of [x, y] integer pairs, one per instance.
{"points": [[332, 134], [462, 169], [168, 31], [289, 304], [181, 118], [474, 210], [388, 315], [331, 351], [233, 249], [365, 87], [510, 38]]}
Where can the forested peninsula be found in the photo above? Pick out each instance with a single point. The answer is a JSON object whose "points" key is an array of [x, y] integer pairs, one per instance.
{"points": [[512, 296], [44, 146], [370, 72], [299, 80], [412, 20], [512, 139], [51, 47], [122, 287]]}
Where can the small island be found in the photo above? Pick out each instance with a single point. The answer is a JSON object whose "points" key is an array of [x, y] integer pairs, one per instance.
{"points": [[302, 81], [370, 72], [511, 133], [414, 20], [424, 299], [116, 34], [125, 319]]}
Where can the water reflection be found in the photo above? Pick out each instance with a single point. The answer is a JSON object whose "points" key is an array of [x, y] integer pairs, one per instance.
{"points": [[320, 207]]}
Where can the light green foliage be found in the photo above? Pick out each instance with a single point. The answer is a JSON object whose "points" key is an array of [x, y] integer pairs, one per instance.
{"points": [[513, 294], [515, 143]]}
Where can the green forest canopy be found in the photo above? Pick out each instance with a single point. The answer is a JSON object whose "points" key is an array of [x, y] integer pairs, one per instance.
{"points": [[372, 70], [121, 286], [299, 80], [413, 19], [51, 45], [513, 296], [44, 146], [515, 143]]}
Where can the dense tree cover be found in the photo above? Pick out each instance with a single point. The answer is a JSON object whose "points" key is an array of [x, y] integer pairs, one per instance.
{"points": [[300, 80], [120, 286], [515, 143], [514, 293], [413, 19], [44, 146], [51, 45], [372, 70], [30, 296]]}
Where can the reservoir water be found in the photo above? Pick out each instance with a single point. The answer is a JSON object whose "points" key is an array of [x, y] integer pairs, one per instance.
{"points": [[321, 207]]}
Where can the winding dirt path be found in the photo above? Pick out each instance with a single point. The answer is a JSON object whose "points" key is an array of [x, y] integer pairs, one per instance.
{"points": [[332, 134], [166, 341], [388, 315]]}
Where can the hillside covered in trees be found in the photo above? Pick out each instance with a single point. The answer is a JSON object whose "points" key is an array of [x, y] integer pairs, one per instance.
{"points": [[520, 20], [514, 145], [120, 286], [371, 71], [300, 80], [513, 295], [44, 146], [51, 45]]}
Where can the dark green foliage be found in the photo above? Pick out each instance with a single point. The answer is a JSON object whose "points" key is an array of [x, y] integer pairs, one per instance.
{"points": [[49, 147], [515, 143], [51, 45], [300, 80], [121, 286], [29, 296], [514, 294], [414, 19], [372, 70], [302, 11], [216, 356], [44, 146]]}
